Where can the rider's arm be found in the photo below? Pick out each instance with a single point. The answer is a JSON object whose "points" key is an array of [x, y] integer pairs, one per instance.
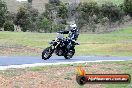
{"points": [[63, 32], [66, 32]]}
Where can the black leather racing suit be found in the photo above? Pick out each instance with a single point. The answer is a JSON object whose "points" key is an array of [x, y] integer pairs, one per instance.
{"points": [[73, 34]]}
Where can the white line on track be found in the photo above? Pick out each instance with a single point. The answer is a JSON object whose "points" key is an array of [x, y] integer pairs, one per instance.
{"points": [[45, 64]]}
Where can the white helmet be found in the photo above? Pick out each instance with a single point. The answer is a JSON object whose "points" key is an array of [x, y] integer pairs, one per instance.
{"points": [[73, 26]]}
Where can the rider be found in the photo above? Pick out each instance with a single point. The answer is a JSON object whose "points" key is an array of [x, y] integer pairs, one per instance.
{"points": [[73, 32]]}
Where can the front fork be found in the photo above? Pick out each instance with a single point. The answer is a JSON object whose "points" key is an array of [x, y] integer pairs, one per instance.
{"points": [[52, 48]]}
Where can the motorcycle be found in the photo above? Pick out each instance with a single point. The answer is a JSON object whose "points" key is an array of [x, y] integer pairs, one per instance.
{"points": [[60, 46]]}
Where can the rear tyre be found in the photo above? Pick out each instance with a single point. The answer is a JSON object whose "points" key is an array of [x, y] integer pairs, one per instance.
{"points": [[47, 53], [70, 54]]}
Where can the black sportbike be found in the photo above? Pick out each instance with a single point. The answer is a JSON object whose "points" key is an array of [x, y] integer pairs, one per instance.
{"points": [[60, 46]]}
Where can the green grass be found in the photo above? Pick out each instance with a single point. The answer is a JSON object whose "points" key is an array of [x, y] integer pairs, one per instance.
{"points": [[30, 39], [116, 43]]}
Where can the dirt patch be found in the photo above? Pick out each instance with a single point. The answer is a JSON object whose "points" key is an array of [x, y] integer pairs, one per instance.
{"points": [[55, 76]]}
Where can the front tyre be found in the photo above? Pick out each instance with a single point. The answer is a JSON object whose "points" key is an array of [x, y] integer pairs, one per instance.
{"points": [[47, 53], [69, 54]]}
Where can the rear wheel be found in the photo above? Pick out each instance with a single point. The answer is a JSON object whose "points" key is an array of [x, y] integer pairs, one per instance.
{"points": [[69, 54], [47, 53]]}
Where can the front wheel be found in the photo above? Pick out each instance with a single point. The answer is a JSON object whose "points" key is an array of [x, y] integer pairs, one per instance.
{"points": [[69, 54], [47, 53]]}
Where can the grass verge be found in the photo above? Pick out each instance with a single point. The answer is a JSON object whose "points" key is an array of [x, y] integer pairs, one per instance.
{"points": [[116, 43]]}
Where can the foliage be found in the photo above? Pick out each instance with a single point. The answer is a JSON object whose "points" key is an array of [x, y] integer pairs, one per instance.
{"points": [[55, 2], [30, 1], [3, 11], [111, 11], [91, 15], [26, 17], [88, 9], [127, 7], [88, 15], [44, 25], [49, 9], [58, 27], [8, 26], [22, 19], [33, 13], [62, 11], [56, 16], [10, 16], [81, 22]]}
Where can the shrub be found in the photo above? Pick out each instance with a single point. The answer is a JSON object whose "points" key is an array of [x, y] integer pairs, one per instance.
{"points": [[127, 7], [88, 9], [86, 12], [8, 26], [62, 11], [10, 16], [58, 27], [111, 11], [3, 11], [22, 19], [81, 23], [44, 25], [26, 17]]}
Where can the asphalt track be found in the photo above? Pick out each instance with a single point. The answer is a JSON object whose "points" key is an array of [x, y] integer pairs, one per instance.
{"points": [[28, 61]]}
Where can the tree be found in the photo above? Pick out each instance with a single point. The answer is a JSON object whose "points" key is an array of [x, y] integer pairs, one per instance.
{"points": [[111, 11], [62, 11], [88, 9], [48, 10], [87, 15], [26, 18], [127, 7], [10, 16], [22, 19], [3, 11], [30, 1]]}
